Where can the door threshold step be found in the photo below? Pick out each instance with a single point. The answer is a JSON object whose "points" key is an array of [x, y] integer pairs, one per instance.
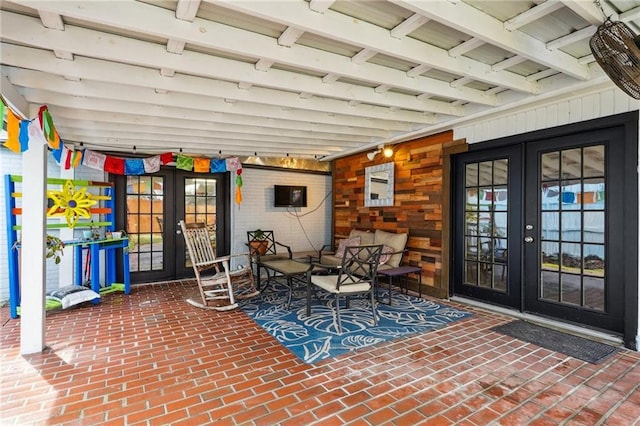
{"points": [[585, 332]]}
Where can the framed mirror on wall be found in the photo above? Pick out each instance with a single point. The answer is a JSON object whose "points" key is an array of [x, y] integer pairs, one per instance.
{"points": [[378, 185]]}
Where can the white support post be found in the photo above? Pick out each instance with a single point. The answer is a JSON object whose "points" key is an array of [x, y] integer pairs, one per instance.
{"points": [[66, 266], [33, 259]]}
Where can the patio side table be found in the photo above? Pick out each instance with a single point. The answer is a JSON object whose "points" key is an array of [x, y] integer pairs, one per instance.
{"points": [[403, 272], [292, 270]]}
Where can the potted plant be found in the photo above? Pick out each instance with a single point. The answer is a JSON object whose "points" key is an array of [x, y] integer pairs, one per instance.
{"points": [[55, 248], [259, 242]]}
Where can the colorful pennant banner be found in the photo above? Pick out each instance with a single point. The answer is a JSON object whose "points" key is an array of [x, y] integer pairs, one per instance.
{"points": [[20, 133]]}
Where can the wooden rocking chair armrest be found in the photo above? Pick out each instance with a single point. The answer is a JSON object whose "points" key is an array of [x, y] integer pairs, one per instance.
{"points": [[222, 259], [246, 256], [205, 266]]}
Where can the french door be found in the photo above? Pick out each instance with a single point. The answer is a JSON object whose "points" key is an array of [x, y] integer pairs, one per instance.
{"points": [[540, 227], [155, 204], [488, 215], [574, 230]]}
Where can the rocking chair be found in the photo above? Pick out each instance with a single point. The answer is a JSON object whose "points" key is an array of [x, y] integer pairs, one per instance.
{"points": [[218, 291]]}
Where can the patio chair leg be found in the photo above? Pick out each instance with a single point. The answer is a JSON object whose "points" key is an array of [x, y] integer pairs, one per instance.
{"points": [[290, 285], [373, 308], [262, 284], [338, 314]]}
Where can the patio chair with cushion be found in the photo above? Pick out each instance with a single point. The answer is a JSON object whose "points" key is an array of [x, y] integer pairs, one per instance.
{"points": [[263, 247], [356, 275], [219, 290]]}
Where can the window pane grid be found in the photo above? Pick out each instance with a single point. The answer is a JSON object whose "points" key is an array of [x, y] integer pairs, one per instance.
{"points": [[145, 213], [486, 230], [572, 227], [200, 206]]}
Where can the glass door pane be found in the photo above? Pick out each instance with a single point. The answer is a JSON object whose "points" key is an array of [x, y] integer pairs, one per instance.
{"points": [[572, 227], [486, 228], [145, 222], [574, 214], [200, 200]]}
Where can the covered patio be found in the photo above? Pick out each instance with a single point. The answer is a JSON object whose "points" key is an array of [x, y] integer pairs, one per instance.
{"points": [[150, 358]]}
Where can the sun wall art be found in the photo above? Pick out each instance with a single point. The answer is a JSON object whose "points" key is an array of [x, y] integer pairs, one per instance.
{"points": [[71, 202]]}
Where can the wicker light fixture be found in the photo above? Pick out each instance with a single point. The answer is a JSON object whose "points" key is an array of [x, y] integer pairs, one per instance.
{"points": [[615, 47]]}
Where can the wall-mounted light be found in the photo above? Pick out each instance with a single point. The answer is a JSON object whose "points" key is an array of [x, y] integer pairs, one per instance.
{"points": [[371, 155], [386, 151]]}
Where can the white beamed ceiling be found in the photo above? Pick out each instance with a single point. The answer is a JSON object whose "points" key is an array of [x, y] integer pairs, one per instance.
{"points": [[309, 79]]}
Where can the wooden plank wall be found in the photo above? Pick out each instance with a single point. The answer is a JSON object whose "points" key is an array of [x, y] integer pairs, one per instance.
{"points": [[417, 205]]}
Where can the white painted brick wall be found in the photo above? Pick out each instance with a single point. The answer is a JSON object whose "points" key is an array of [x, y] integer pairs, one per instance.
{"points": [[310, 230]]}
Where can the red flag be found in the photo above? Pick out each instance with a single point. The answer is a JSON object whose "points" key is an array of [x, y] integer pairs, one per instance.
{"points": [[114, 165], [166, 158]]}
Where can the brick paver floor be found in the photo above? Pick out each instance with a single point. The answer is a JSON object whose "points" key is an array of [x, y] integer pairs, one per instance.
{"points": [[152, 359]]}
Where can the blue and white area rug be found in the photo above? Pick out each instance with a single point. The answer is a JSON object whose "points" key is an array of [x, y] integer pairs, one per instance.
{"points": [[315, 338]]}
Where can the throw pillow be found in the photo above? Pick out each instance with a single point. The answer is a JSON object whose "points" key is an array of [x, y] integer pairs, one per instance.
{"points": [[385, 255], [397, 241], [343, 244], [72, 295]]}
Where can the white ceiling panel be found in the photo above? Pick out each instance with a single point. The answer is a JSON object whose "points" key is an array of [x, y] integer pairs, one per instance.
{"points": [[309, 79]]}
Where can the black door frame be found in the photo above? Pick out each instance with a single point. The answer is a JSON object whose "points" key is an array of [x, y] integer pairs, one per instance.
{"points": [[512, 297], [628, 122], [611, 319]]}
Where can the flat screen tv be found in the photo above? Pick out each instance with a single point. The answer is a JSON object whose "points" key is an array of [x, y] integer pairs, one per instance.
{"points": [[290, 196]]}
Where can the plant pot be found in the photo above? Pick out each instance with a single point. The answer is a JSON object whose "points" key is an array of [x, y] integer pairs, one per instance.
{"points": [[259, 247]]}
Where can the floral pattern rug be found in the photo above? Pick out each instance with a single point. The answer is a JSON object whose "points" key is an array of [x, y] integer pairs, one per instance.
{"points": [[316, 338]]}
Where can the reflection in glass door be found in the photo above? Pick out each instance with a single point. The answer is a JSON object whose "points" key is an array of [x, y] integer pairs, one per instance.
{"points": [[145, 219], [557, 237], [572, 227], [200, 201], [487, 222], [486, 225], [573, 213], [154, 206]]}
